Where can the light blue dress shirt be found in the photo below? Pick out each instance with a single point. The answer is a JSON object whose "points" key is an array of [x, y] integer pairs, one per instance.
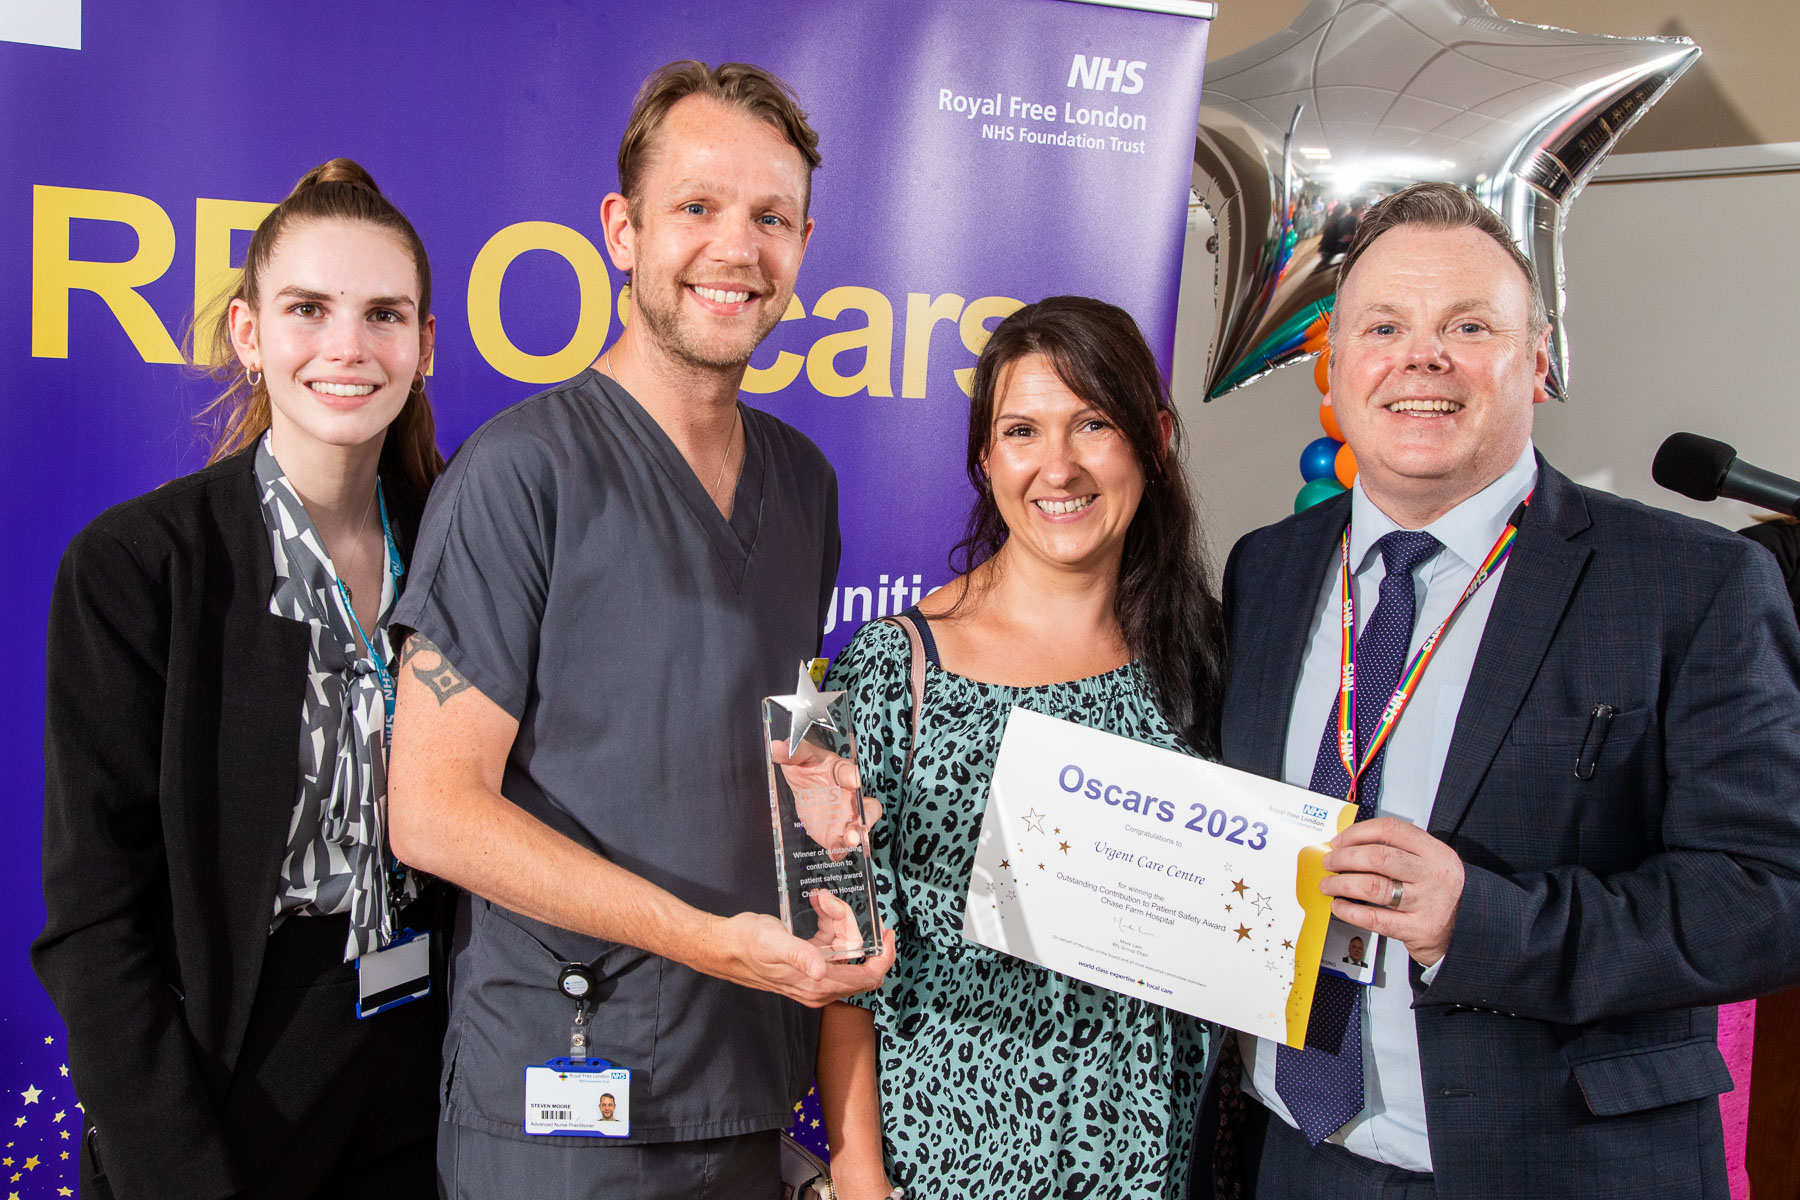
{"points": [[1391, 1126]]}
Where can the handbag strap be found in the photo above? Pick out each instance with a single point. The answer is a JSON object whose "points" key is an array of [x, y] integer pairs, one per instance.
{"points": [[918, 679]]}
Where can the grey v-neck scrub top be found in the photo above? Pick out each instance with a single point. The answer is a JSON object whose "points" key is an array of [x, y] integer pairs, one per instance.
{"points": [[574, 569]]}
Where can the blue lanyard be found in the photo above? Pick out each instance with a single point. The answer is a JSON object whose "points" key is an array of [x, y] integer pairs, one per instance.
{"points": [[397, 569]]}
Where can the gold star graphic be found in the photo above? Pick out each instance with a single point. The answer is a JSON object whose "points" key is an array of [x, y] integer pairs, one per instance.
{"points": [[64, 1070], [1228, 908], [60, 1114], [1064, 847], [63, 1191], [1058, 829], [815, 1122], [1243, 932], [1238, 886], [1005, 863], [6, 1162], [49, 1041], [64, 1135], [64, 1154], [1040, 866], [1287, 945], [31, 1094], [1034, 820], [31, 1164], [19, 1124]]}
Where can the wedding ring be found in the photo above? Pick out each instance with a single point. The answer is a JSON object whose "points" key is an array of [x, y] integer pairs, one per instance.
{"points": [[1398, 896]]}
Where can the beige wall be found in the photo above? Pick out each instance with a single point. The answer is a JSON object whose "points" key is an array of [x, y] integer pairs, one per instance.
{"points": [[1745, 90]]}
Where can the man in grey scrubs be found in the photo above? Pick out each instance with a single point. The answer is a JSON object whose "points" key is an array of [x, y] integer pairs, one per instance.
{"points": [[610, 576]]}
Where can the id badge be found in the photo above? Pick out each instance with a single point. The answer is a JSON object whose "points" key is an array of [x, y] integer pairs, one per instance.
{"points": [[569, 1097], [397, 975], [1350, 953]]}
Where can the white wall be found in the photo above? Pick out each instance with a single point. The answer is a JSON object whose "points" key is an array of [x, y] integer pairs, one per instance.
{"points": [[1683, 314]]}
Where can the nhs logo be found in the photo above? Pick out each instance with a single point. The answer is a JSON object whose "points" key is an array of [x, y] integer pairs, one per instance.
{"points": [[1106, 74]]}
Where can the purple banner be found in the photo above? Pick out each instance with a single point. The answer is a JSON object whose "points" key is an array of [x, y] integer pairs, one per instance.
{"points": [[975, 158]]}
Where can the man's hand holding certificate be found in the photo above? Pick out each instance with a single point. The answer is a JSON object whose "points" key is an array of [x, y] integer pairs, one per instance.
{"points": [[1155, 874]]}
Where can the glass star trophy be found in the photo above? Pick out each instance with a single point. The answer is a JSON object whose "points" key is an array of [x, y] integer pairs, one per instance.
{"points": [[821, 837]]}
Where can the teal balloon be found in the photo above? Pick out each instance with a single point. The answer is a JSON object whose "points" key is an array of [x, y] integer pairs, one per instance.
{"points": [[1315, 491], [1319, 460]]}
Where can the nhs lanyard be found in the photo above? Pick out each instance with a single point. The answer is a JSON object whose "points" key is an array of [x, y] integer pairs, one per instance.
{"points": [[397, 569], [1409, 679]]}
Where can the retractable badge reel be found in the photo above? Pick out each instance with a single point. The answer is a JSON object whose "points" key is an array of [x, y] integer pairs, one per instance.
{"points": [[577, 983], [578, 1096]]}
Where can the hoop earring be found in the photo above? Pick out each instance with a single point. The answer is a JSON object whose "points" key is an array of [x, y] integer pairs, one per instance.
{"points": [[418, 387], [253, 378]]}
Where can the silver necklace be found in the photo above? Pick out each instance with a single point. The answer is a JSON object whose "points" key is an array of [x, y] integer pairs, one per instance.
{"points": [[737, 424]]}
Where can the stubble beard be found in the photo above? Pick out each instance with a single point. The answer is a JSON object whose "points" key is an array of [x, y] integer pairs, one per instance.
{"points": [[676, 336]]}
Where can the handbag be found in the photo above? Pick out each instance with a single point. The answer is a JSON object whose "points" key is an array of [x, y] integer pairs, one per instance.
{"points": [[804, 1175]]}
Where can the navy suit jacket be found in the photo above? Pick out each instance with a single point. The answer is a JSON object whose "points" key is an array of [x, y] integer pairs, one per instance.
{"points": [[1568, 1043]]}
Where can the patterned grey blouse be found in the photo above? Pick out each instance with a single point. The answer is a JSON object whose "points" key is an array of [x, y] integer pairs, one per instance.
{"points": [[336, 859]]}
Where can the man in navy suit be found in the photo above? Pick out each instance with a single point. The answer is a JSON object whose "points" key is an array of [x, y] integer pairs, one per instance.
{"points": [[1582, 832]]}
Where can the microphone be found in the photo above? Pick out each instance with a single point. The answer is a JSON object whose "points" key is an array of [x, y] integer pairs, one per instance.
{"points": [[1702, 468]]}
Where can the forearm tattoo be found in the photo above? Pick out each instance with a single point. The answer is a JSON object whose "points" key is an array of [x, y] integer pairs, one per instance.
{"points": [[431, 668]]}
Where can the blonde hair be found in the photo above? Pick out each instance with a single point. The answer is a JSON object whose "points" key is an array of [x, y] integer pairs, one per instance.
{"points": [[746, 88], [338, 190]]}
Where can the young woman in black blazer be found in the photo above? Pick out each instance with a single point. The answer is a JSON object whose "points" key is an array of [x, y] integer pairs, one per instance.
{"points": [[215, 859]]}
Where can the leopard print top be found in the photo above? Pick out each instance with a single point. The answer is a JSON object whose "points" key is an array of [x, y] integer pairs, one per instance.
{"points": [[999, 1078]]}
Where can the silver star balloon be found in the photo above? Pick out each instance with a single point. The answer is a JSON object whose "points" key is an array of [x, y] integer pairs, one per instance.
{"points": [[1359, 98], [809, 707]]}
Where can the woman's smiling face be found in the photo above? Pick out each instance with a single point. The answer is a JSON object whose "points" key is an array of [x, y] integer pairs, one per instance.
{"points": [[1066, 481], [336, 333]]}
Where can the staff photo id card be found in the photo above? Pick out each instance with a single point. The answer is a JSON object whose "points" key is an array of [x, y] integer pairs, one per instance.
{"points": [[1155, 874], [574, 1097]]}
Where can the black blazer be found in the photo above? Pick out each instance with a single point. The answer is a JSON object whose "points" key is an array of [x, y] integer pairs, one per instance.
{"points": [[1568, 1043], [171, 767]]}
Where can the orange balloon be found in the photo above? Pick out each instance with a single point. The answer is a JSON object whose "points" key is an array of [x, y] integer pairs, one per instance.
{"points": [[1317, 343], [1321, 365], [1346, 465], [1328, 422], [1318, 327]]}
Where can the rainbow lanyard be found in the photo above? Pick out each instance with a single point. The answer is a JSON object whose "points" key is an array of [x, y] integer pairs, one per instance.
{"points": [[1409, 679]]}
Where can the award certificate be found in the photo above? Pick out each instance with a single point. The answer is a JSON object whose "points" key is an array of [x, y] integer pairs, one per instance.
{"points": [[1155, 874]]}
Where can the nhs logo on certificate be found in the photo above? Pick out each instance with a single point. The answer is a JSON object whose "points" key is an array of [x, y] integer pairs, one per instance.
{"points": [[1155, 874]]}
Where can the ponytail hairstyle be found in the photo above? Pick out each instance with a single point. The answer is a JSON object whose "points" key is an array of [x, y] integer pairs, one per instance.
{"points": [[339, 190], [1165, 603]]}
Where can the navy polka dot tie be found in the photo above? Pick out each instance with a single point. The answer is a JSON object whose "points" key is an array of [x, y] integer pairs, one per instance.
{"points": [[1322, 1085]]}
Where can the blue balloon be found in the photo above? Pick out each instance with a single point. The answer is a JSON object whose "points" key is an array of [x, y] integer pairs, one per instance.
{"points": [[1319, 459]]}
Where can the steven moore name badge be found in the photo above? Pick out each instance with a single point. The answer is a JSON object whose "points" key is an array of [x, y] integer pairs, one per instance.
{"points": [[1155, 874]]}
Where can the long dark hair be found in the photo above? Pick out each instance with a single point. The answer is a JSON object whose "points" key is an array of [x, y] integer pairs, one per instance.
{"points": [[1165, 603], [338, 190]]}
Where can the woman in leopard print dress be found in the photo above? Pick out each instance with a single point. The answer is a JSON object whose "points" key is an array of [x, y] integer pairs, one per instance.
{"points": [[1081, 595]]}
